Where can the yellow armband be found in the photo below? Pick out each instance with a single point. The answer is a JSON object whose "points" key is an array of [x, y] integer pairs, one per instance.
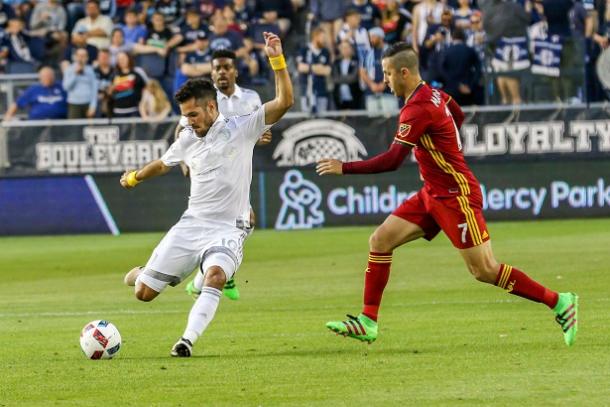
{"points": [[278, 63], [131, 179]]}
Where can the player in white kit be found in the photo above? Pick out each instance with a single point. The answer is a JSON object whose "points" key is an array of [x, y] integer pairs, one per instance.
{"points": [[211, 232], [232, 100]]}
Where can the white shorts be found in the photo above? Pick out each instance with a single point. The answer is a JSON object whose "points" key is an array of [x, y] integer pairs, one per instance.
{"points": [[192, 243]]}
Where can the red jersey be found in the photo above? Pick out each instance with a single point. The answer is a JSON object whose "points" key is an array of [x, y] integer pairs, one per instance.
{"points": [[427, 123]]}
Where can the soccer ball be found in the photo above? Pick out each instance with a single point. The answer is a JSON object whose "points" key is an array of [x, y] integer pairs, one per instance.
{"points": [[100, 340]]}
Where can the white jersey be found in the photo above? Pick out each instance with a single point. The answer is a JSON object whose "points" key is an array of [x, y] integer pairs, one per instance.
{"points": [[221, 167], [242, 101]]}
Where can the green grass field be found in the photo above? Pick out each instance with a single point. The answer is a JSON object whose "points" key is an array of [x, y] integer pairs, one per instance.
{"points": [[445, 339]]}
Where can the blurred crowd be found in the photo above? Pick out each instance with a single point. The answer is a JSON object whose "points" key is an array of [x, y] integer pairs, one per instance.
{"points": [[125, 58]]}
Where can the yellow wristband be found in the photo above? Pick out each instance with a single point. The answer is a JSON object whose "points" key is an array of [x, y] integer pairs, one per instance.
{"points": [[278, 63], [131, 179]]}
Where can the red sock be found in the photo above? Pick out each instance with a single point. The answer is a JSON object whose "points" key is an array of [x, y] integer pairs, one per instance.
{"points": [[375, 280], [518, 283]]}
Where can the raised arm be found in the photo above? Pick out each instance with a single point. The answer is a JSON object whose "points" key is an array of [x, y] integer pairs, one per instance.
{"points": [[384, 162], [284, 99]]}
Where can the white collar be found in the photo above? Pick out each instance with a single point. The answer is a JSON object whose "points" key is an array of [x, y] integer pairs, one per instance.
{"points": [[238, 93]]}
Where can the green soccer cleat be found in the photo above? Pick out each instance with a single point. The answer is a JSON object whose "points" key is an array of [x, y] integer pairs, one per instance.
{"points": [[566, 315], [230, 290], [191, 290], [361, 327]]}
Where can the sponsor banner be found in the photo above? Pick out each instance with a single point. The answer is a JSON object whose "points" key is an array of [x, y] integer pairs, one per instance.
{"points": [[298, 141], [300, 199], [297, 198]]}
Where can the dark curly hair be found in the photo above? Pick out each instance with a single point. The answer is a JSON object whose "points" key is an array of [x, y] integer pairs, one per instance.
{"points": [[198, 88]]}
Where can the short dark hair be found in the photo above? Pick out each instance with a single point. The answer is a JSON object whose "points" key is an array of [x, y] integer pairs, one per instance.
{"points": [[459, 34], [403, 56], [198, 88], [224, 53]]}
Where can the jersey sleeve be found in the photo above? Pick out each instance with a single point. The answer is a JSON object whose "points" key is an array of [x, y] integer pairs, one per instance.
{"points": [[412, 124], [454, 109], [174, 154], [253, 125]]}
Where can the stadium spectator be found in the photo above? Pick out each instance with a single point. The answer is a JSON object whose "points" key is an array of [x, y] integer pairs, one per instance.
{"points": [[207, 8], [369, 13], [154, 105], [426, 12], [117, 44], [79, 41], [475, 35], [48, 21], [6, 13], [314, 67], [462, 14], [76, 11], [329, 15], [505, 24], [15, 46], [243, 14], [284, 10], [395, 22], [232, 23], [108, 8], [378, 100], [438, 38], [145, 10], [121, 8], [269, 23], [190, 30], [568, 62], [45, 100], [104, 73], [222, 38], [597, 34], [126, 88], [159, 39], [95, 28], [347, 93], [461, 70], [171, 10], [195, 63], [133, 31], [353, 32], [80, 84]]}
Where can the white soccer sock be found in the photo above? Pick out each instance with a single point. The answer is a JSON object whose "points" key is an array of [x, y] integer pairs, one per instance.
{"points": [[202, 313], [198, 281]]}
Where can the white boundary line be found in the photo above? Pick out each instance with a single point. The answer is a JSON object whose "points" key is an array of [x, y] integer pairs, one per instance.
{"points": [[101, 204]]}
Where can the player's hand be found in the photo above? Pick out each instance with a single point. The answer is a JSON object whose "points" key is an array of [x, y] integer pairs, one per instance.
{"points": [[329, 166], [273, 45], [124, 183], [265, 139]]}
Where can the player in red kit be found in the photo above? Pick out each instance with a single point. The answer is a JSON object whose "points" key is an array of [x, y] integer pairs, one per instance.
{"points": [[450, 200]]}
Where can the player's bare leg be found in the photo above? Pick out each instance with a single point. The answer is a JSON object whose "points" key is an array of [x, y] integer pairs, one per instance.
{"points": [[483, 266], [202, 312], [142, 291], [131, 277], [392, 233]]}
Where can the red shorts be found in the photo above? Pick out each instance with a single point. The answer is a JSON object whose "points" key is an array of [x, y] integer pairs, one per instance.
{"points": [[460, 217]]}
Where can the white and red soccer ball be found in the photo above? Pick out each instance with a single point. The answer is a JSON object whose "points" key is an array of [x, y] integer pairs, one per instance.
{"points": [[100, 340]]}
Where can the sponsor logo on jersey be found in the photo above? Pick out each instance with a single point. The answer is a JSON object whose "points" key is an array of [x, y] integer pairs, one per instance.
{"points": [[404, 129]]}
